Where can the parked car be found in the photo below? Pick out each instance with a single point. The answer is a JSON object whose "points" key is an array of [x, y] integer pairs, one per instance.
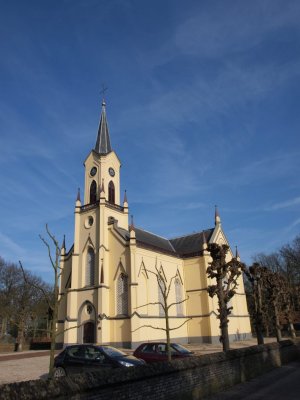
{"points": [[87, 357], [153, 352]]}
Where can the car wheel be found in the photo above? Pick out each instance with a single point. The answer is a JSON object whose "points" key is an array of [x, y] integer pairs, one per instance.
{"points": [[59, 372]]}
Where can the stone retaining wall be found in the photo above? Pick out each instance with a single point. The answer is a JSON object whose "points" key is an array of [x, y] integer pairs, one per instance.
{"points": [[192, 378]]}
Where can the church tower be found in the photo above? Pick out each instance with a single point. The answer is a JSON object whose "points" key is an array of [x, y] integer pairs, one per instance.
{"points": [[89, 274]]}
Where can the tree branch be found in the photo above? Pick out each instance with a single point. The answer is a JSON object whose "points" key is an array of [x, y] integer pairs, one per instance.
{"points": [[173, 329], [178, 302], [149, 326], [46, 297]]}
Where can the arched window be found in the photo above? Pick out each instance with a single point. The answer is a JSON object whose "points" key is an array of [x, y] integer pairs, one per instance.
{"points": [[90, 268], [93, 192], [122, 294], [178, 295], [143, 294], [161, 289], [111, 192]]}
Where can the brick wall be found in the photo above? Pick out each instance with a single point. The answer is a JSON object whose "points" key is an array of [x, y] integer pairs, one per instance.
{"points": [[185, 379]]}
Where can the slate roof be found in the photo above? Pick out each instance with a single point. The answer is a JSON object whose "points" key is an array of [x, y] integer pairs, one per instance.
{"points": [[183, 246], [154, 241], [189, 245], [103, 140]]}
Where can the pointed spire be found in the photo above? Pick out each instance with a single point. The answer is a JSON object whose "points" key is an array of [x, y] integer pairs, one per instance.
{"points": [[125, 197], [217, 217], [132, 233], [131, 228], [204, 242], [63, 246], [103, 141], [78, 195], [78, 201], [237, 256]]}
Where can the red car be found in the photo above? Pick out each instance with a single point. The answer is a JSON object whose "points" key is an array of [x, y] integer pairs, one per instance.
{"points": [[153, 352]]}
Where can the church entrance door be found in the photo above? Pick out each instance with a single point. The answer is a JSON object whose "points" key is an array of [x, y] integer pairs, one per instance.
{"points": [[89, 332]]}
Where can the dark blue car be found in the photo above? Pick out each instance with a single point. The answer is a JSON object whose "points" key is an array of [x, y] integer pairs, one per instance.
{"points": [[87, 357]]}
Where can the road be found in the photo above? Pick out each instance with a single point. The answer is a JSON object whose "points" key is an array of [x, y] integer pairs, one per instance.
{"points": [[281, 383]]}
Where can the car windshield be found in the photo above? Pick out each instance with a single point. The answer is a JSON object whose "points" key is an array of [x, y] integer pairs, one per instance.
{"points": [[180, 348], [112, 352]]}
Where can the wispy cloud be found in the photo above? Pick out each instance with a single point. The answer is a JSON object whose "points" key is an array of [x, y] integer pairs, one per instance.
{"points": [[284, 204], [10, 245], [239, 26], [292, 225]]}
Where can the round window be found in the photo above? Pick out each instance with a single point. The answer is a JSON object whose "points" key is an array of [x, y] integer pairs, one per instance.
{"points": [[89, 221]]}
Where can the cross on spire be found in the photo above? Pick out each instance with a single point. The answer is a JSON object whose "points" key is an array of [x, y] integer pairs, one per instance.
{"points": [[102, 92]]}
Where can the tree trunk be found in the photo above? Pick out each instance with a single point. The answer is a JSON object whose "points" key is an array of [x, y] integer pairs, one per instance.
{"points": [[4, 326], [259, 335], [292, 329], [20, 337], [267, 330], [259, 317], [168, 336], [225, 337], [53, 328], [223, 317], [277, 323]]}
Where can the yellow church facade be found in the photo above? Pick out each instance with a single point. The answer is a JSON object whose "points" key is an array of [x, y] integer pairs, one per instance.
{"points": [[109, 291]]}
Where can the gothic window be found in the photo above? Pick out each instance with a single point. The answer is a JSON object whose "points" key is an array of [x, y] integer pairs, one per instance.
{"points": [[111, 192], [178, 295], [161, 289], [90, 268], [93, 192], [122, 294], [143, 294]]}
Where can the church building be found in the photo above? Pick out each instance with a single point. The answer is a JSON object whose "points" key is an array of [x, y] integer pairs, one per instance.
{"points": [[109, 288]]}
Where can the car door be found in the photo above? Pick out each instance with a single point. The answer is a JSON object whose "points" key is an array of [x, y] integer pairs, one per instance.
{"points": [[161, 352], [96, 360], [148, 353], [74, 359]]}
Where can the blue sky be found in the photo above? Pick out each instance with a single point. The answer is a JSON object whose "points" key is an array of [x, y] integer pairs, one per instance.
{"points": [[202, 104]]}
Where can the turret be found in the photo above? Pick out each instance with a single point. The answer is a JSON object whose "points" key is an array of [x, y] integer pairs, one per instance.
{"points": [[78, 201], [237, 256], [217, 217], [63, 247], [132, 232]]}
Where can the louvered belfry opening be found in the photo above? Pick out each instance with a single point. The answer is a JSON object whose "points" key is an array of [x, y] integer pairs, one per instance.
{"points": [[111, 192], [93, 192]]}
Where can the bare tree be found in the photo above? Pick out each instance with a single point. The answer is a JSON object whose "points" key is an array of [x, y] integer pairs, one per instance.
{"points": [[290, 255], [51, 300], [287, 305], [272, 282], [164, 290], [19, 301], [9, 279], [226, 275], [254, 275]]}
